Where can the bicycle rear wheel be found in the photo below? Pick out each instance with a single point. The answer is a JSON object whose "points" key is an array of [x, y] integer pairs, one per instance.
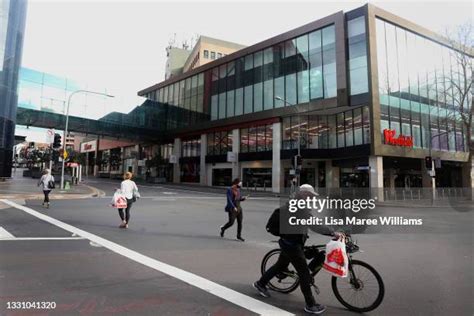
{"points": [[284, 282], [363, 289]]}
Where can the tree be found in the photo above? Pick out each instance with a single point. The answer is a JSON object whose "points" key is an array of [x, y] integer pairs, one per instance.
{"points": [[459, 88]]}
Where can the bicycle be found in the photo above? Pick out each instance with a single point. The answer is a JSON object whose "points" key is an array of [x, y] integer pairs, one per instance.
{"points": [[352, 291]]}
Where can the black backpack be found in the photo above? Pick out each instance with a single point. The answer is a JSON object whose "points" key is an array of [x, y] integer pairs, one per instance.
{"points": [[273, 224]]}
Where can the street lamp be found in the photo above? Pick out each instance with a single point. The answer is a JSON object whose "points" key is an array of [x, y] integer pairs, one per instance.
{"points": [[433, 176], [67, 123]]}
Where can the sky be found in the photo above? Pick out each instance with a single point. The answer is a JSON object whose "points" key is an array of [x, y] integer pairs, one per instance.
{"points": [[120, 45]]}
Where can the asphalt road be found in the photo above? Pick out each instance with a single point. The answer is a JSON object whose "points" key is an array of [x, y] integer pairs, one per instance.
{"points": [[427, 270]]}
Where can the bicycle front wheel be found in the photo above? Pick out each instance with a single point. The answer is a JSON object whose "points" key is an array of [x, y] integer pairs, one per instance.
{"points": [[363, 289], [284, 282]]}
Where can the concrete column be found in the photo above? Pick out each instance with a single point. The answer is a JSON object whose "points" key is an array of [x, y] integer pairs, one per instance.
{"points": [[376, 177], [236, 150], [135, 161], [276, 159], [177, 154], [96, 163], [332, 176], [202, 162]]}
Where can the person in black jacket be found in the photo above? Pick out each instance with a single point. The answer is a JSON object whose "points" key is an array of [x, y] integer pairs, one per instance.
{"points": [[292, 251], [233, 208]]}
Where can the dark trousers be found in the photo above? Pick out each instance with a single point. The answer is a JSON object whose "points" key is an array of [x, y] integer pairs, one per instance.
{"points": [[46, 196], [293, 254], [126, 218], [232, 216]]}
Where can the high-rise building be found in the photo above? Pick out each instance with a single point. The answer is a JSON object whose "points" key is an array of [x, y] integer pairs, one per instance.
{"points": [[12, 28]]}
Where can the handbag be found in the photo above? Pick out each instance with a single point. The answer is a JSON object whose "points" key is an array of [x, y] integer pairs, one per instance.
{"points": [[51, 184], [136, 195]]}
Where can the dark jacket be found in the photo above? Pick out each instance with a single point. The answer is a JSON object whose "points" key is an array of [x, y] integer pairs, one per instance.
{"points": [[232, 200]]}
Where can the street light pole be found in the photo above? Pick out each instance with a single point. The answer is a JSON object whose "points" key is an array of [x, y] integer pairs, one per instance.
{"points": [[67, 124]]}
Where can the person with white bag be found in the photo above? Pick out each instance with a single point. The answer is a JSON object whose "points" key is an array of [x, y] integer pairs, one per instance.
{"points": [[129, 191]]}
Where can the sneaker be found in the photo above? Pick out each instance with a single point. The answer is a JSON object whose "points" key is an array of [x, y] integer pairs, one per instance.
{"points": [[122, 225], [262, 290], [222, 232], [315, 309], [240, 238], [47, 205]]}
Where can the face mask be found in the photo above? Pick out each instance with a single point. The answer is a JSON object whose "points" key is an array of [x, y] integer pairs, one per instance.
{"points": [[239, 185]]}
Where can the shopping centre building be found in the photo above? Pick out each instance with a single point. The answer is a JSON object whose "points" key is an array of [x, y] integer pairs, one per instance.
{"points": [[362, 95]]}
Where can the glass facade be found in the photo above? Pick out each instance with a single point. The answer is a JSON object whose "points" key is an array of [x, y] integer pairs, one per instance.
{"points": [[219, 143], [49, 93], [187, 94], [415, 85], [297, 70], [256, 138], [357, 47], [345, 129], [191, 148], [12, 28]]}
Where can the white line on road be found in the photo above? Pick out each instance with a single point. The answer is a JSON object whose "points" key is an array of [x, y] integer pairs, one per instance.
{"points": [[5, 234], [40, 238], [218, 290]]}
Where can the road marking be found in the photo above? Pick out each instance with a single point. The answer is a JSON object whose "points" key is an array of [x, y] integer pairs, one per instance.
{"points": [[218, 290], [4, 234], [40, 238]]}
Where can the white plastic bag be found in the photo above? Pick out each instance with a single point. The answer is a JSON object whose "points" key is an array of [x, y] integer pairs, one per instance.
{"points": [[336, 261], [119, 200]]}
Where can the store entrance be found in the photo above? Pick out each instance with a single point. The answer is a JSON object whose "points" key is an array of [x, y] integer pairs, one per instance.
{"points": [[222, 177]]}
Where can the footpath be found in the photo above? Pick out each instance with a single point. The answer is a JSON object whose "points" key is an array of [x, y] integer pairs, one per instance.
{"points": [[25, 188]]}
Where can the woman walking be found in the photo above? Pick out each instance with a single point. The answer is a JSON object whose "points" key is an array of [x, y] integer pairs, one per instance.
{"points": [[130, 191], [47, 184], [234, 209]]}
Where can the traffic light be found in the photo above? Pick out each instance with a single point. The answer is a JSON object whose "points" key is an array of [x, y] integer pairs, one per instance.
{"points": [[297, 161], [428, 162], [57, 141]]}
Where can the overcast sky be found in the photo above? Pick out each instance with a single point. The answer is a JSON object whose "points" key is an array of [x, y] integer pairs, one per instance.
{"points": [[120, 45]]}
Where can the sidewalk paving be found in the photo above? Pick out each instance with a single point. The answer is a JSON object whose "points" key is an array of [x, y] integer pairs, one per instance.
{"points": [[19, 187]]}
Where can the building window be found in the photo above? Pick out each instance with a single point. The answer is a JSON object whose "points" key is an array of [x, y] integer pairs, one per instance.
{"points": [[256, 138], [219, 55], [358, 73], [345, 129], [213, 55], [219, 143], [191, 148], [206, 53]]}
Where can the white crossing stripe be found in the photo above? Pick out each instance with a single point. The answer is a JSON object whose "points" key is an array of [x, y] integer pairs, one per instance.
{"points": [[5, 234], [40, 238], [218, 290]]}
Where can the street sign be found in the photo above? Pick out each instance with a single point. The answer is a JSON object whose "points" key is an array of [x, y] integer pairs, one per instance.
{"points": [[72, 164], [65, 155], [173, 159], [362, 168], [231, 156], [50, 136]]}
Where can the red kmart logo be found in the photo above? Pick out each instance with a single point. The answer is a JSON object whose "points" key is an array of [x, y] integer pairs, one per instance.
{"points": [[401, 140]]}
